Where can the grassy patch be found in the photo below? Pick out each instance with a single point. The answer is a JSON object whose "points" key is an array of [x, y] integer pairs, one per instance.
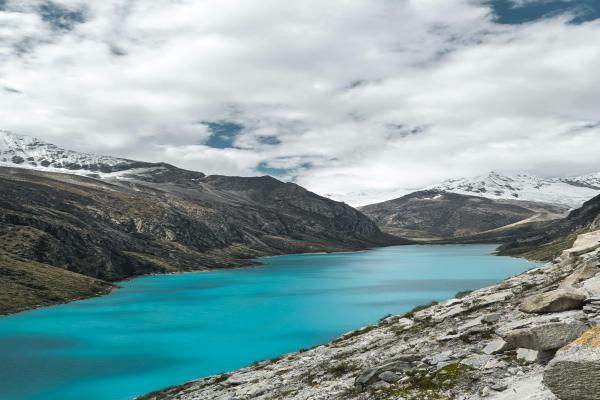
{"points": [[26, 284]]}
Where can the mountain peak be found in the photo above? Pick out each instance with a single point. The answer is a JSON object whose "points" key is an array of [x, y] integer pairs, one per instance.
{"points": [[523, 186]]}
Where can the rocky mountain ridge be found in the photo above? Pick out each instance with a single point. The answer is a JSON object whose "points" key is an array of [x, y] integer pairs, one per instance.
{"points": [[535, 336], [436, 214], [118, 218]]}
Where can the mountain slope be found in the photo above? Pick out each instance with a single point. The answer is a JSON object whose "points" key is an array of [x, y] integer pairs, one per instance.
{"points": [[160, 219], [571, 191], [28, 284], [435, 214], [549, 239]]}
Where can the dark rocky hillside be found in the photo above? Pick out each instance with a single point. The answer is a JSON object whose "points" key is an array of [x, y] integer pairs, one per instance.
{"points": [[436, 214], [547, 240], [114, 228]]}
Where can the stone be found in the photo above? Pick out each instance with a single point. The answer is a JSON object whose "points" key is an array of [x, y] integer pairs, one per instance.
{"points": [[366, 377], [499, 387], [527, 355], [584, 243], [574, 374], [492, 299], [490, 318], [592, 286], [476, 361], [497, 346], [439, 357], [495, 364], [389, 377], [548, 336], [450, 312], [370, 375], [554, 301]]}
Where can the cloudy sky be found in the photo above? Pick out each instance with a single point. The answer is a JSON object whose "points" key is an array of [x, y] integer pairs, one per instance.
{"points": [[356, 99]]}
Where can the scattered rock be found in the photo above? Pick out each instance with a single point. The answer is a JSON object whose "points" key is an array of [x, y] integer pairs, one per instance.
{"points": [[549, 336], [497, 346], [554, 301], [527, 355], [389, 377], [370, 375], [476, 361], [592, 286], [490, 318], [438, 358], [574, 374]]}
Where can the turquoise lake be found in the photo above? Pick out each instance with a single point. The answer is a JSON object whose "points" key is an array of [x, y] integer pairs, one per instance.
{"points": [[159, 331]]}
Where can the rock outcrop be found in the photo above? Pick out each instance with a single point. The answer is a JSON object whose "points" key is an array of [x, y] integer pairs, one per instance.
{"points": [[574, 374], [554, 301]]}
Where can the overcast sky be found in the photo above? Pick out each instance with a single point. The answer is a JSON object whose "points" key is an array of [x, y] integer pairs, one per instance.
{"points": [[345, 97]]}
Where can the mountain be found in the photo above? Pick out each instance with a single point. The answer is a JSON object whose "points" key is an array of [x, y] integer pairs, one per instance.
{"points": [[31, 153], [120, 218], [549, 239], [572, 192], [437, 214]]}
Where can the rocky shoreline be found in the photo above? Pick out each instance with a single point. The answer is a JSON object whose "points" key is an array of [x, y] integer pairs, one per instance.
{"points": [[531, 337]]}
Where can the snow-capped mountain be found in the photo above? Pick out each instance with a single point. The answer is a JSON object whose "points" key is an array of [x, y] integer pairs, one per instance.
{"points": [[572, 191], [21, 151], [30, 152]]}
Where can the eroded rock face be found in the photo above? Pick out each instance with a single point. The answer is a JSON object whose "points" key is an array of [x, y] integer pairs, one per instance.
{"points": [[554, 301], [574, 374]]}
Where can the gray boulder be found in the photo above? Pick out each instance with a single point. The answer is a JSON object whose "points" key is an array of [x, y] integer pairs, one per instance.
{"points": [[497, 346], [389, 377], [554, 301], [527, 355], [574, 374], [549, 336], [371, 375]]}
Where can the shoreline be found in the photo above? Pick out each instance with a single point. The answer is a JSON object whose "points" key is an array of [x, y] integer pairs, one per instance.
{"points": [[115, 284], [467, 339]]}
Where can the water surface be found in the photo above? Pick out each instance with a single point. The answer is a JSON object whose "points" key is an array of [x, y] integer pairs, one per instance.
{"points": [[159, 331]]}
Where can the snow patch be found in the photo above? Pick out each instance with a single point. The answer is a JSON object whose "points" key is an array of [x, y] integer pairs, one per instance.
{"points": [[573, 191]]}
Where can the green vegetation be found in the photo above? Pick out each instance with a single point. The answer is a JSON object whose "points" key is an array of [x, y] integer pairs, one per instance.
{"points": [[26, 284], [423, 385]]}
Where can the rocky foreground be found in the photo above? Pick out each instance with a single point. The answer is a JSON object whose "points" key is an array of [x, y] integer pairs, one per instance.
{"points": [[535, 336]]}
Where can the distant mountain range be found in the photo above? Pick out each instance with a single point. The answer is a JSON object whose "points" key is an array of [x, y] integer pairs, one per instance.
{"points": [[572, 191], [489, 207], [71, 222], [437, 214]]}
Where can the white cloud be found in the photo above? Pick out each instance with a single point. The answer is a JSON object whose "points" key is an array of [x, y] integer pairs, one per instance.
{"points": [[340, 85]]}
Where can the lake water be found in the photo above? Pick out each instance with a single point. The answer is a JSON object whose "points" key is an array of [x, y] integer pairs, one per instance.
{"points": [[159, 331]]}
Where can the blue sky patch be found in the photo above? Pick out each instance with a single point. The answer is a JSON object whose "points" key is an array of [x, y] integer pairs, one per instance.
{"points": [[508, 12], [271, 140], [223, 134], [59, 17], [264, 168]]}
